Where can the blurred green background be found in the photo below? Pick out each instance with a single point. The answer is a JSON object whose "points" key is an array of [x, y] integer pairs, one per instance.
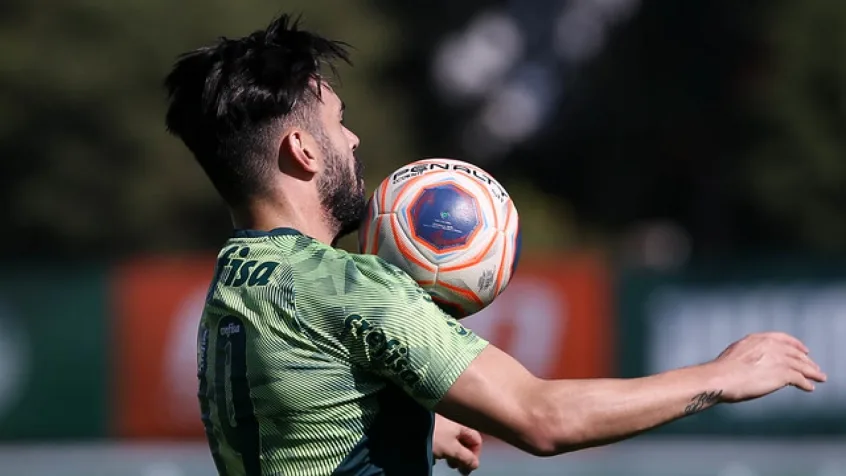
{"points": [[695, 150]]}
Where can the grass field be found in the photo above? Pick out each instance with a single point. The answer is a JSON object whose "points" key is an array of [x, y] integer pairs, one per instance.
{"points": [[642, 457]]}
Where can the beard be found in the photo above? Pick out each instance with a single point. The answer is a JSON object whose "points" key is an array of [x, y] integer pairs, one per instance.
{"points": [[342, 193]]}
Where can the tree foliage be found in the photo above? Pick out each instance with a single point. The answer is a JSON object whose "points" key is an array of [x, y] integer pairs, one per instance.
{"points": [[797, 170]]}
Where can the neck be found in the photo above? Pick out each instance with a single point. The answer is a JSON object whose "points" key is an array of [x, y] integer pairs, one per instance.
{"points": [[266, 216]]}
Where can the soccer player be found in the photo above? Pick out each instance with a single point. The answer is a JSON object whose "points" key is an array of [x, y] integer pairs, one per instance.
{"points": [[314, 361]]}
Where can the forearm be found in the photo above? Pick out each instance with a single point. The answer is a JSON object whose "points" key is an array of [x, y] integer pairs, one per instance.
{"points": [[578, 414]]}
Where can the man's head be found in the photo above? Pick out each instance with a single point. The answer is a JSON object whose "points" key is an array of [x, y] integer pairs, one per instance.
{"points": [[255, 108]]}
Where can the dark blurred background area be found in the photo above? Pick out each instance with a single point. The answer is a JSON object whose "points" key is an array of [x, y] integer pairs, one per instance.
{"points": [[719, 123], [679, 168]]}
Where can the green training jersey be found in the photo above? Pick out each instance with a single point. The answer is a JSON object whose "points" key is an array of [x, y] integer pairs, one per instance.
{"points": [[317, 362]]}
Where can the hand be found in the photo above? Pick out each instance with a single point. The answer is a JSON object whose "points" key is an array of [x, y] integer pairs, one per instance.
{"points": [[458, 445], [760, 364]]}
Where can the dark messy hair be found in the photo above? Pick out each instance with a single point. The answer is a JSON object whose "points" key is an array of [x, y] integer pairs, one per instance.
{"points": [[227, 100]]}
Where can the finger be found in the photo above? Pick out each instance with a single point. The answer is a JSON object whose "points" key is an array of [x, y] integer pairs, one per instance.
{"points": [[799, 381], [462, 467], [800, 356], [463, 459], [804, 364], [807, 367], [471, 439], [790, 340]]}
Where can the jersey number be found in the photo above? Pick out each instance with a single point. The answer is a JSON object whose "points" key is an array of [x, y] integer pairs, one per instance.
{"points": [[229, 394]]}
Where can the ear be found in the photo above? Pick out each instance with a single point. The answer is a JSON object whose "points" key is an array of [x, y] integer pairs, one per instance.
{"points": [[300, 149]]}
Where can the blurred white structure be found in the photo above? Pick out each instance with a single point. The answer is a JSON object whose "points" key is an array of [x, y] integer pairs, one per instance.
{"points": [[512, 66]]}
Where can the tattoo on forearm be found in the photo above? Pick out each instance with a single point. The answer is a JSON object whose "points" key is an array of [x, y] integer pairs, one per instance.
{"points": [[702, 401]]}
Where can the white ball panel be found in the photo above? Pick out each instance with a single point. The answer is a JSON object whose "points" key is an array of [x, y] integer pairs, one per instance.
{"points": [[394, 247], [480, 278]]}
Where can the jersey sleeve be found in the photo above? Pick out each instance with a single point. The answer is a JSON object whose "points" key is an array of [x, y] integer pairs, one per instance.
{"points": [[399, 333]]}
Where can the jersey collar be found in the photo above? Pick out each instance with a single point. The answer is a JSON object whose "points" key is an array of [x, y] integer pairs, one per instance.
{"points": [[247, 233]]}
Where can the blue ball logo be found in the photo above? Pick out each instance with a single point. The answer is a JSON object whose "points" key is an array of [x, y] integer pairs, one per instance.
{"points": [[445, 217]]}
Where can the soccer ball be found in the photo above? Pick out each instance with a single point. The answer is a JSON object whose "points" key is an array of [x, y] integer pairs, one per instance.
{"points": [[451, 226]]}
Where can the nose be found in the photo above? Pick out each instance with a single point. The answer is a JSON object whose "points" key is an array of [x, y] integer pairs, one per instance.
{"points": [[353, 139]]}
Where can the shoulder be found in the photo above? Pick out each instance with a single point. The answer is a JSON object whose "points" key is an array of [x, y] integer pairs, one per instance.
{"points": [[379, 270]]}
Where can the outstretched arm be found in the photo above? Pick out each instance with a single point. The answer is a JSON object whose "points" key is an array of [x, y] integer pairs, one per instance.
{"points": [[498, 396]]}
